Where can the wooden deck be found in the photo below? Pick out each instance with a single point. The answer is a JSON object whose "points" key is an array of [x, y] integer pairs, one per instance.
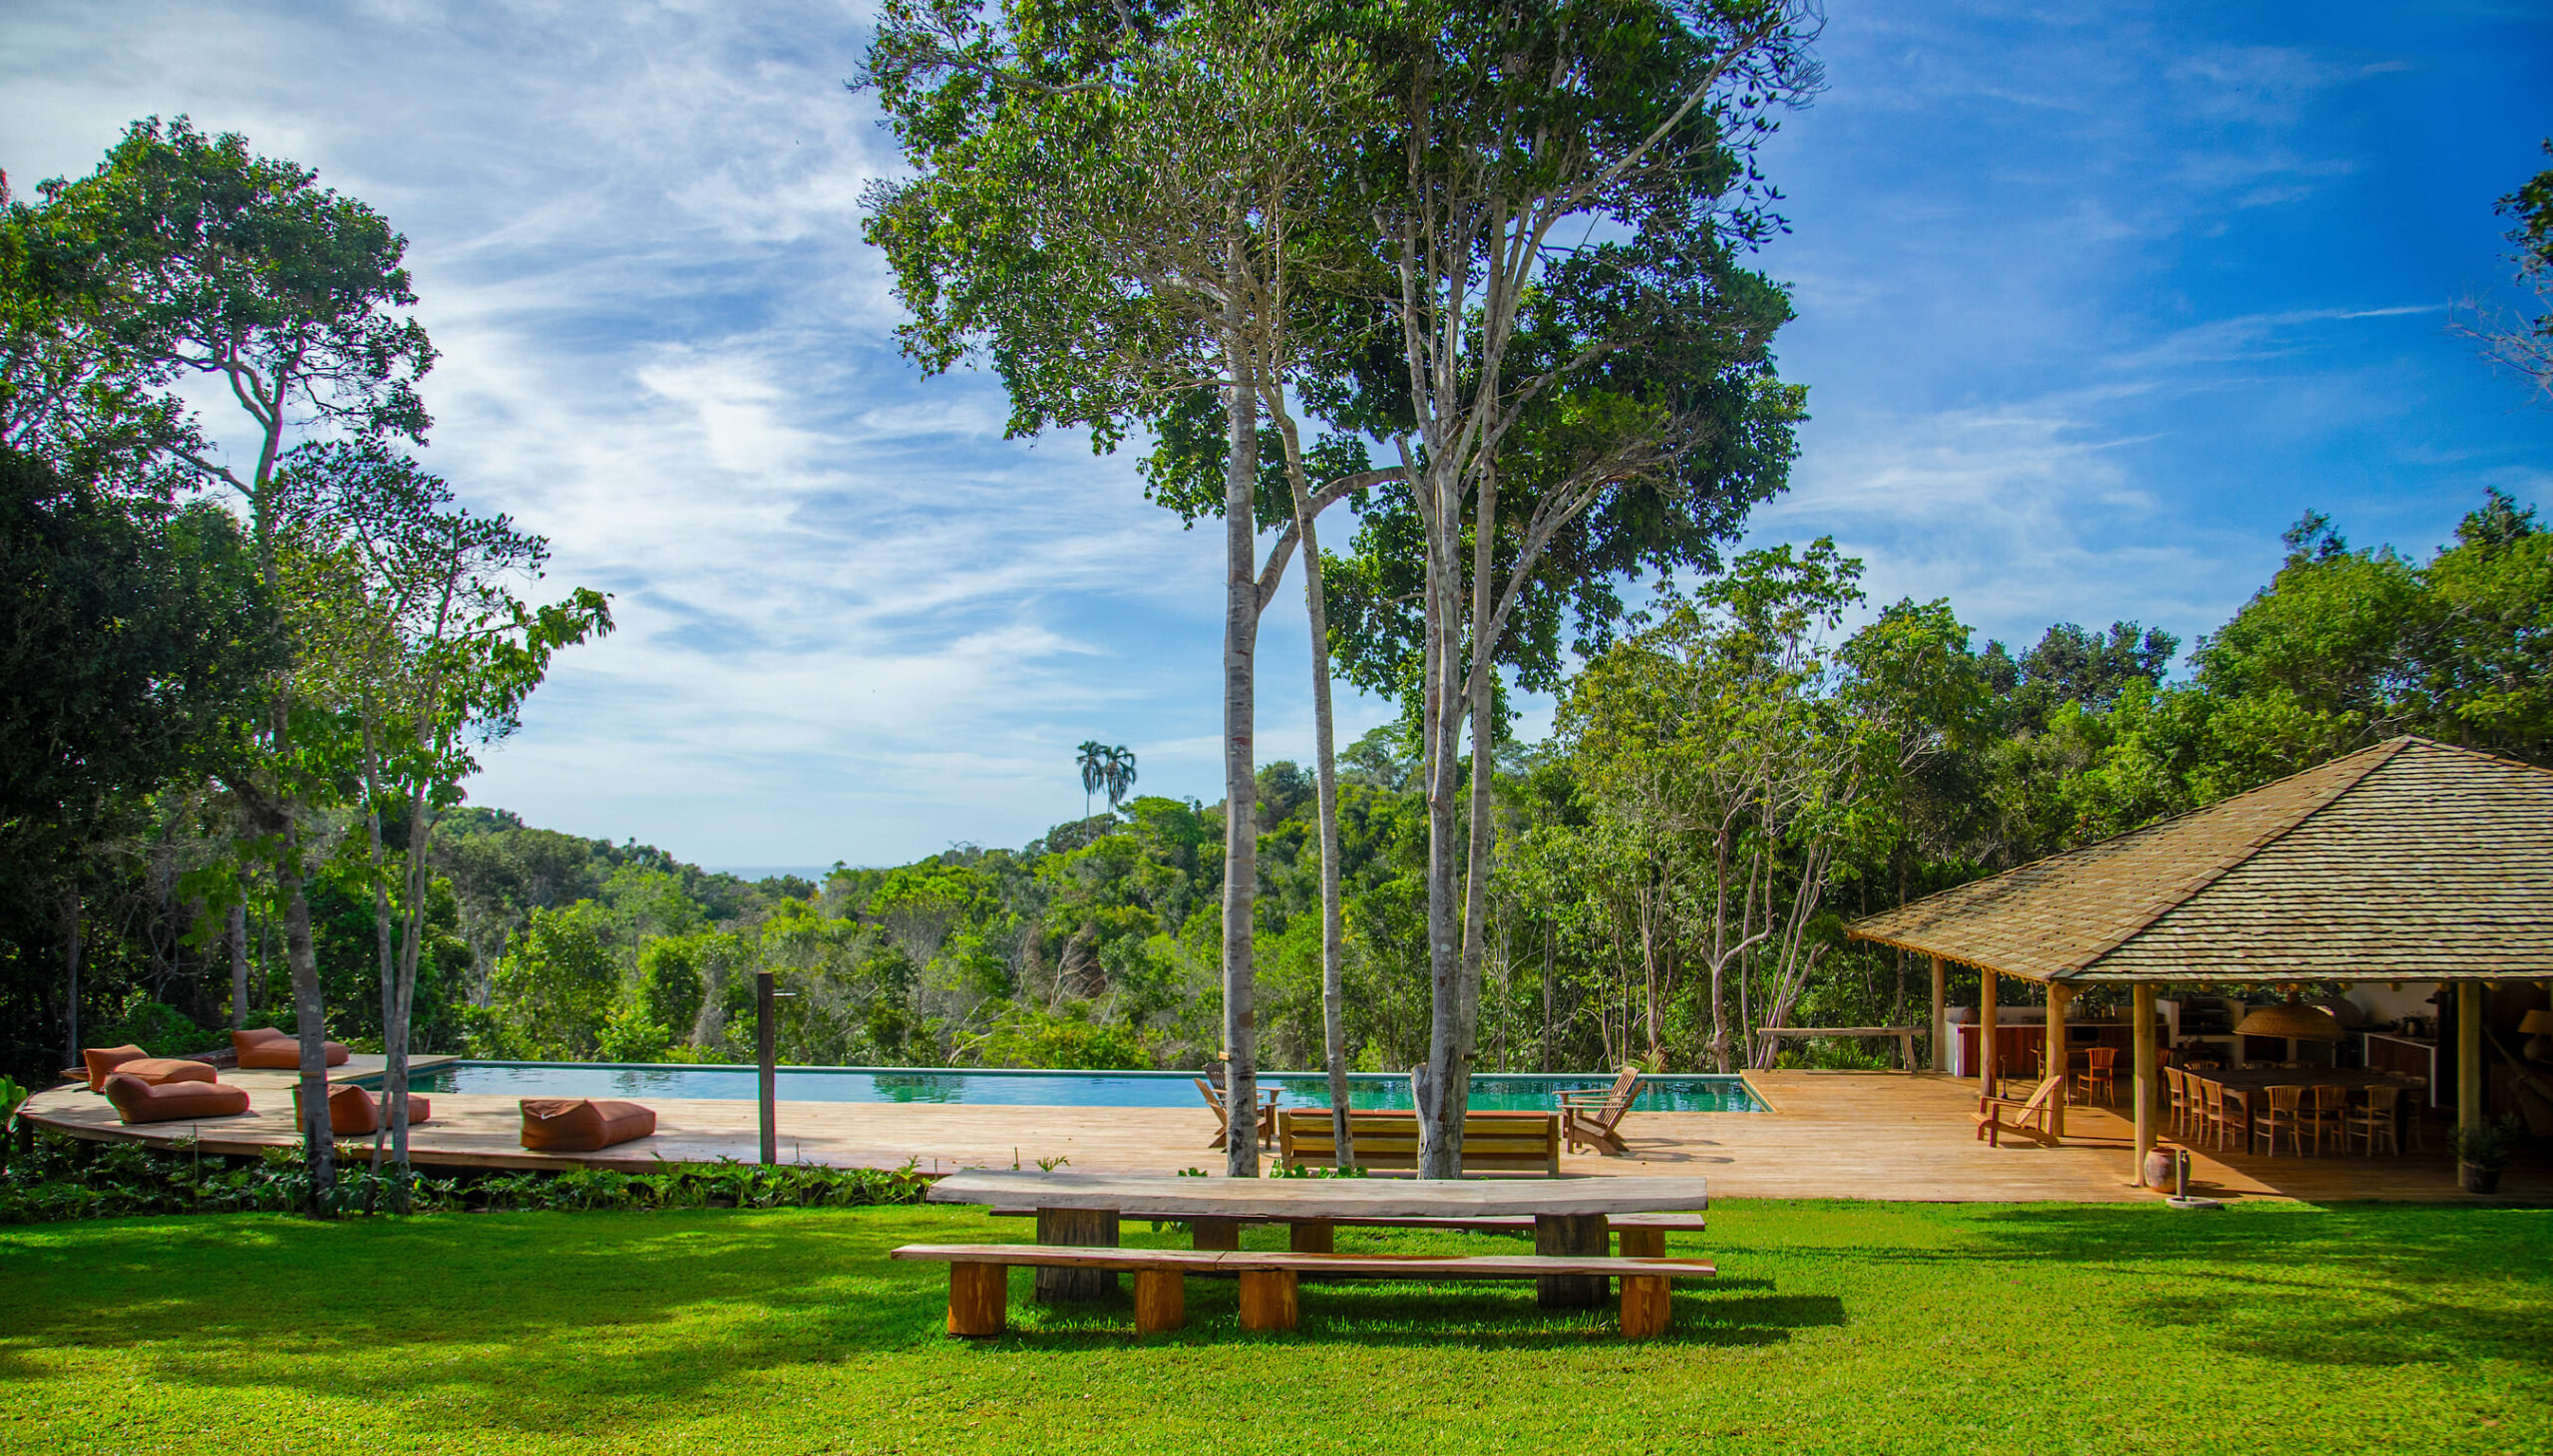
{"points": [[1871, 1135]]}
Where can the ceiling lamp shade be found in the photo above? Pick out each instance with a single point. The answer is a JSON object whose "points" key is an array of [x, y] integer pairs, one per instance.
{"points": [[2538, 1027], [2291, 1019]]}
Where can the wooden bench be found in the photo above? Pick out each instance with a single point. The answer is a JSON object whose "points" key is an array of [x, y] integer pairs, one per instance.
{"points": [[979, 1278], [1639, 1236], [1493, 1141]]}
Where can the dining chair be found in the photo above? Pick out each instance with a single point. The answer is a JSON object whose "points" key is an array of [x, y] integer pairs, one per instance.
{"points": [[2327, 1112], [2229, 1114], [2100, 1072], [2377, 1120], [2176, 1083], [2284, 1109]]}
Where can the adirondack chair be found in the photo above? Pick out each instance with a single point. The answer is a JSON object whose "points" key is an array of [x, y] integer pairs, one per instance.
{"points": [[1223, 1115], [1588, 1117], [1996, 1116]]}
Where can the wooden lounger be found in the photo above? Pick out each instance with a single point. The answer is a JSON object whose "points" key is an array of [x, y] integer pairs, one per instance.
{"points": [[1588, 1117], [1998, 1116], [979, 1278]]}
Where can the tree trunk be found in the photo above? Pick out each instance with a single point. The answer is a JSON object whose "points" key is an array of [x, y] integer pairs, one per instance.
{"points": [[238, 966], [310, 1019], [71, 949], [1440, 1122], [1241, 785], [380, 929]]}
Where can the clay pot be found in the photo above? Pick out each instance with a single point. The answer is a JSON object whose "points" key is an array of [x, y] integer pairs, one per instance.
{"points": [[2477, 1179], [2160, 1165]]}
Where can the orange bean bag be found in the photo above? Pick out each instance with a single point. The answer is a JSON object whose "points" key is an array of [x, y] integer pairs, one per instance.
{"points": [[354, 1112], [100, 1060], [139, 1101], [160, 1071], [266, 1049], [583, 1125]]}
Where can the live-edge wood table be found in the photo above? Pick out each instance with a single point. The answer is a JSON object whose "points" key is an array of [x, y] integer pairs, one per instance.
{"points": [[1569, 1213]]}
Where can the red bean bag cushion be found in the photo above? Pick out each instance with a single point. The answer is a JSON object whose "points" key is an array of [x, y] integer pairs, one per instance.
{"points": [[266, 1049], [98, 1061], [139, 1101], [160, 1071], [581, 1125], [354, 1112]]}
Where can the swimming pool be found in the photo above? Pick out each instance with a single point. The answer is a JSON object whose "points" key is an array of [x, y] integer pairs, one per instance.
{"points": [[1490, 1091]]}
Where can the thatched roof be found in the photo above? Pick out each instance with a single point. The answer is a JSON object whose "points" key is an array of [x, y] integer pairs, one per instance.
{"points": [[2409, 861]]}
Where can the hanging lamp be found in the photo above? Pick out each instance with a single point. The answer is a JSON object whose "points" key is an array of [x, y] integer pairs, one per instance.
{"points": [[2291, 1019]]}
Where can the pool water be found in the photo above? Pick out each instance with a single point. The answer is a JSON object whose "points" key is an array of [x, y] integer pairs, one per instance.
{"points": [[1491, 1092]]}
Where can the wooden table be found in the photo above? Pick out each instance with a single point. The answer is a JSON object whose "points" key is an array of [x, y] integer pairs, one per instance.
{"points": [[2252, 1080], [1569, 1213]]}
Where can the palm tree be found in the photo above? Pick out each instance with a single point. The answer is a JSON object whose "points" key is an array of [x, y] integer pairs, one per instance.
{"points": [[1118, 775], [1095, 760]]}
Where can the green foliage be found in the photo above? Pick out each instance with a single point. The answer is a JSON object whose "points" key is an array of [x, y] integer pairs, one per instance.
{"points": [[161, 1030], [2488, 1144]]}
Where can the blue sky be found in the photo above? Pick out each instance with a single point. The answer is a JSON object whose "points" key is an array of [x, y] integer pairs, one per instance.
{"points": [[2094, 300]]}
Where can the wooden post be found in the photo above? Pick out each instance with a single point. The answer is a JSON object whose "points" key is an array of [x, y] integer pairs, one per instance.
{"points": [[1567, 1233], [1160, 1300], [1222, 1235], [2468, 1052], [765, 1087], [1311, 1238], [1268, 1299], [1987, 996], [1941, 1016], [1635, 1242], [1646, 1306], [2141, 1007], [1089, 1228], [2052, 1057], [978, 1298]]}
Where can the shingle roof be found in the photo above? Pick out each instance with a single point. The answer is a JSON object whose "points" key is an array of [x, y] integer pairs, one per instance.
{"points": [[2409, 861]]}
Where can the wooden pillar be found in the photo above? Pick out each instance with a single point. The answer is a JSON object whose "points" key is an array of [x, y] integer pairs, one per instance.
{"points": [[1941, 1016], [1091, 1228], [1571, 1234], [2468, 1052], [2053, 1056], [2141, 1010], [1986, 995]]}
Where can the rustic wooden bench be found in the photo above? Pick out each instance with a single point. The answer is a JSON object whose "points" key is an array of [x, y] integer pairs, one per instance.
{"points": [[1387, 1141], [1639, 1236], [979, 1278]]}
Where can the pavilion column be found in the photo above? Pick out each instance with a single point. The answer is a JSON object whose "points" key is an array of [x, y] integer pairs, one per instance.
{"points": [[1987, 996], [2053, 1056], [2468, 1053], [1941, 1016], [2142, 1012]]}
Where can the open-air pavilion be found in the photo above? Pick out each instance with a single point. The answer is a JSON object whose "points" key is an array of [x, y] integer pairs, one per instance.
{"points": [[2401, 868]]}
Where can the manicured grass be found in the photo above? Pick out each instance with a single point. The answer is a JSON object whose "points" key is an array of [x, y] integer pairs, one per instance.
{"points": [[1835, 1327]]}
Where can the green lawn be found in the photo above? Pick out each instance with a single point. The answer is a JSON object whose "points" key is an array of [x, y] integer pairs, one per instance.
{"points": [[1834, 1328]]}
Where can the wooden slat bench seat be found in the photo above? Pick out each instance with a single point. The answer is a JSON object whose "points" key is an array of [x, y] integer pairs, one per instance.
{"points": [[979, 1278], [1387, 1141], [1639, 1236]]}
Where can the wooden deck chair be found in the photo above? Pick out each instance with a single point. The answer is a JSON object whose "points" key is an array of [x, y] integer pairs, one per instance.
{"points": [[1223, 1115], [1996, 1116], [1590, 1116]]}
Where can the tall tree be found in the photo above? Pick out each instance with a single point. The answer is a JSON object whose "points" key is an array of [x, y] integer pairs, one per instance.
{"points": [[243, 269], [2509, 338]]}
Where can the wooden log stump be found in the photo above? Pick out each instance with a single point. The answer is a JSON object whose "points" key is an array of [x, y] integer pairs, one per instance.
{"points": [[1216, 1233], [1160, 1300], [1089, 1228], [1268, 1299], [978, 1298], [1642, 1242], [1645, 1306], [1571, 1234]]}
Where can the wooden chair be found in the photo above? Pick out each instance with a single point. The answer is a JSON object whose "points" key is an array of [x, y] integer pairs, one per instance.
{"points": [[1996, 1116], [2285, 1109], [1590, 1116], [2327, 1113], [2177, 1083], [1223, 1115], [2099, 1075], [2379, 1120], [2227, 1113]]}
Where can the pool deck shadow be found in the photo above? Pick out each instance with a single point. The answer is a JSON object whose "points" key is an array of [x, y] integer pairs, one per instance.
{"points": [[1858, 1136]]}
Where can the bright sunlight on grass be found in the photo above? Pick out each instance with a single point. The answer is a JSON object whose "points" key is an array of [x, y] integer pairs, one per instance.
{"points": [[1834, 1328]]}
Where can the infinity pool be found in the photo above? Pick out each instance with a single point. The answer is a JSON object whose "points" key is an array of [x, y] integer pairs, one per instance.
{"points": [[1490, 1092]]}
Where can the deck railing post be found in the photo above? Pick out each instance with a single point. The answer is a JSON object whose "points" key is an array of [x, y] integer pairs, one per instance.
{"points": [[2142, 1012]]}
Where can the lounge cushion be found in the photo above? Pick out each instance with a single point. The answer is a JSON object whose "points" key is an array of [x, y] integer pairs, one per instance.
{"points": [[160, 1071], [266, 1049], [139, 1101], [357, 1112], [583, 1125], [98, 1061]]}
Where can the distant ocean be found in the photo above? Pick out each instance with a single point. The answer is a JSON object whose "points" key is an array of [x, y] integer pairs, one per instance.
{"points": [[814, 873]]}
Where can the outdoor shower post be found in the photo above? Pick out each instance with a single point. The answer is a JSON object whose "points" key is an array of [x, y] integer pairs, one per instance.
{"points": [[766, 1076]]}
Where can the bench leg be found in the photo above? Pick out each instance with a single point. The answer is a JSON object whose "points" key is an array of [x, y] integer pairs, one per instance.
{"points": [[1093, 1227], [1644, 1307], [1642, 1242], [1214, 1234], [1571, 1234], [1160, 1300], [1311, 1238], [1268, 1299], [978, 1298]]}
